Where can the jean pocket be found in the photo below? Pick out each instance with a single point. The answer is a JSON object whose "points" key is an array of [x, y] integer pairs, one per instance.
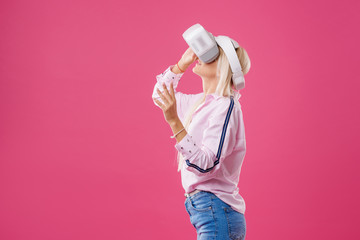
{"points": [[236, 224], [200, 204]]}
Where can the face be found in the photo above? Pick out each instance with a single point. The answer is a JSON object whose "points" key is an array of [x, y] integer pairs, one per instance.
{"points": [[206, 70]]}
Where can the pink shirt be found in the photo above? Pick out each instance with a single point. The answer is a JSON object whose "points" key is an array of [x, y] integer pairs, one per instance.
{"points": [[214, 147]]}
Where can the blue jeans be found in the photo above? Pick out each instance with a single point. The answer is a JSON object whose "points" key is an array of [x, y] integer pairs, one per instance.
{"points": [[213, 218]]}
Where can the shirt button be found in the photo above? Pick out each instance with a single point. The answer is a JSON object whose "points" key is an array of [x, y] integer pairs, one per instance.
{"points": [[189, 151]]}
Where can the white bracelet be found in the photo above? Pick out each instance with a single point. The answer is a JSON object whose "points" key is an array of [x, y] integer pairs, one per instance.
{"points": [[177, 133]]}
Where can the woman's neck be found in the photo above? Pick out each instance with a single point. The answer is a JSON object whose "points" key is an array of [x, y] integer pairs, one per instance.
{"points": [[209, 87]]}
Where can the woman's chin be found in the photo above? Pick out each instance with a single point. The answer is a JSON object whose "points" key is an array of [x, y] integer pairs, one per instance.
{"points": [[195, 68]]}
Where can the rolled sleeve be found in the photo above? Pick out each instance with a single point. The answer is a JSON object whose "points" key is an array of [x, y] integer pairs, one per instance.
{"points": [[166, 77], [169, 76]]}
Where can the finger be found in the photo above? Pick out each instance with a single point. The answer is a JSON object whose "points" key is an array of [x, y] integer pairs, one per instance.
{"points": [[167, 94], [159, 103], [162, 96], [172, 90]]}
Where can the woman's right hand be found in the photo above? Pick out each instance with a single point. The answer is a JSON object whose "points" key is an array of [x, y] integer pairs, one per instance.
{"points": [[188, 57]]}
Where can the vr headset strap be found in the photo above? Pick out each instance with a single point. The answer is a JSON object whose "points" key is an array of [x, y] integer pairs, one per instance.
{"points": [[229, 46]]}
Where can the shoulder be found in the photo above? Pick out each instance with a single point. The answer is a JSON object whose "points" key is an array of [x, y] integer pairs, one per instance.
{"points": [[222, 104], [226, 108]]}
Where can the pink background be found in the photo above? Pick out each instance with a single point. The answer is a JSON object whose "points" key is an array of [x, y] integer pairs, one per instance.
{"points": [[85, 154]]}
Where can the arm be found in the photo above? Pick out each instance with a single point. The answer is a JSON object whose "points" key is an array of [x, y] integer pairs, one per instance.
{"points": [[173, 75], [174, 104], [169, 107], [219, 140], [182, 65]]}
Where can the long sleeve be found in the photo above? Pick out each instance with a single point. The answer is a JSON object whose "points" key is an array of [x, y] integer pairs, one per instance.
{"points": [[183, 101], [219, 139]]}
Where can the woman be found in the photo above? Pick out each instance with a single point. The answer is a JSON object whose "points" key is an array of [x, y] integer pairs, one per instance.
{"points": [[211, 143]]}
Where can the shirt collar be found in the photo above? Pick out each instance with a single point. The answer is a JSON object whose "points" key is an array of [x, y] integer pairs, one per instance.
{"points": [[237, 95]]}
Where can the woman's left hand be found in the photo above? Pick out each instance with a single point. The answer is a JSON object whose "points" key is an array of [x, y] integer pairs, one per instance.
{"points": [[169, 103]]}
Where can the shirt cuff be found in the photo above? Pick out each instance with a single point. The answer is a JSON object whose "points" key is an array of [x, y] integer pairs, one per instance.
{"points": [[171, 76], [187, 146]]}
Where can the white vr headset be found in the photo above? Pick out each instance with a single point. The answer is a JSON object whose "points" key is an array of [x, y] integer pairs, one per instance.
{"points": [[205, 46]]}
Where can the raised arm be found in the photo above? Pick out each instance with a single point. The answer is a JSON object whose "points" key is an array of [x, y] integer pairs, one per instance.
{"points": [[173, 75]]}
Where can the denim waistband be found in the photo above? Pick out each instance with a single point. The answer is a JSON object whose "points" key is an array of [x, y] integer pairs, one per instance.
{"points": [[200, 193]]}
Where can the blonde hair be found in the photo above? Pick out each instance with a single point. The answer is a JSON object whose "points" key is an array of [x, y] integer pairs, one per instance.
{"points": [[224, 87]]}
